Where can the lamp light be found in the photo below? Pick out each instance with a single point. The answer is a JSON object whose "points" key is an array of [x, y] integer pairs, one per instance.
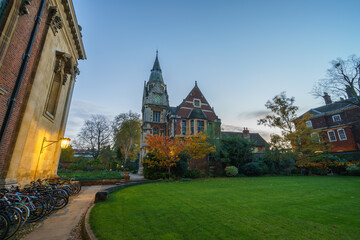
{"points": [[64, 143]]}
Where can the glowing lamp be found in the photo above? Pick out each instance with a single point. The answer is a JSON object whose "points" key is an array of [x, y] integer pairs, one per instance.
{"points": [[64, 143]]}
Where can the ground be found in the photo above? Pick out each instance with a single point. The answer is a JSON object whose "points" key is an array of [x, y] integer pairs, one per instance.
{"points": [[233, 208]]}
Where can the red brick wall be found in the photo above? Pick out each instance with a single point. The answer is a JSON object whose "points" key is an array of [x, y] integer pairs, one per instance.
{"points": [[10, 70], [349, 117]]}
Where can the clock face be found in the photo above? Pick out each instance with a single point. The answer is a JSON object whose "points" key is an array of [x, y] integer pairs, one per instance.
{"points": [[157, 98]]}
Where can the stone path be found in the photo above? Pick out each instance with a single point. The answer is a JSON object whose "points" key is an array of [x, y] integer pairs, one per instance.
{"points": [[59, 225]]}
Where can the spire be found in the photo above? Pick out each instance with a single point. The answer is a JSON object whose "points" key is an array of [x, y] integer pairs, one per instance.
{"points": [[156, 75], [156, 66]]}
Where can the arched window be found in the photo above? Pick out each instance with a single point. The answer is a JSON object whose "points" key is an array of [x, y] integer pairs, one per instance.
{"points": [[156, 131]]}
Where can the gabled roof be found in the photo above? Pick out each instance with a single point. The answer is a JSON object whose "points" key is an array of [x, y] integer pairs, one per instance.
{"points": [[329, 108], [254, 137]]}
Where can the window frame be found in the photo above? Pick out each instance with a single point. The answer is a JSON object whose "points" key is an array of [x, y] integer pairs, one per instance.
{"points": [[334, 118], [332, 131], [156, 116], [340, 138], [200, 128], [309, 124], [183, 126], [315, 137], [197, 100], [156, 131]]}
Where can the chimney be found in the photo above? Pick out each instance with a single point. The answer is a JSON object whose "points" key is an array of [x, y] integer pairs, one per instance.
{"points": [[246, 133], [327, 98], [349, 92]]}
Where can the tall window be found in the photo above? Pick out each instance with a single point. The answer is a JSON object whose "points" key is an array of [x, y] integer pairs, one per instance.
{"points": [[200, 126], [156, 116], [332, 136], [156, 131], [336, 118], [192, 127], [342, 134], [53, 97], [183, 127]]}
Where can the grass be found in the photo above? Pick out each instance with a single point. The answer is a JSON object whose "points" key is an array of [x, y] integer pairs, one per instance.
{"points": [[89, 176], [233, 208]]}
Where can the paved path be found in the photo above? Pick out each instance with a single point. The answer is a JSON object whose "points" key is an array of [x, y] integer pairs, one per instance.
{"points": [[59, 225], [136, 177]]}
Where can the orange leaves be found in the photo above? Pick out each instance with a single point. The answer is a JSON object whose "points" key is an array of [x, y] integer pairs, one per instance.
{"points": [[198, 147], [167, 150]]}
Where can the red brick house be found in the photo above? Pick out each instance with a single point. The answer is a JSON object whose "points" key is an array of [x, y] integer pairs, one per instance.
{"points": [[339, 123]]}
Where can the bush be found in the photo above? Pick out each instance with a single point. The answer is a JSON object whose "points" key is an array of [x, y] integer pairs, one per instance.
{"points": [[353, 170], [192, 173], [231, 171], [287, 165], [252, 169]]}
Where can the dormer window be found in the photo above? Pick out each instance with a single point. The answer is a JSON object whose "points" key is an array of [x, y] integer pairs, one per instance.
{"points": [[197, 102], [336, 118], [308, 123]]}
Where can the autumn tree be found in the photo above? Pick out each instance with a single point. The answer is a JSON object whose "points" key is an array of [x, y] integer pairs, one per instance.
{"points": [[95, 135], [198, 146], [166, 151], [343, 80], [127, 133]]}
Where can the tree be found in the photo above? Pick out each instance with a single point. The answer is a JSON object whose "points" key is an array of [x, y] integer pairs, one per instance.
{"points": [[67, 154], [198, 146], [343, 80], [165, 151], [95, 134], [284, 114], [236, 150], [127, 133]]}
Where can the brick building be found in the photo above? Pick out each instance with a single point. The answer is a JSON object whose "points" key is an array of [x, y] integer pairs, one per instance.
{"points": [[338, 122], [40, 45], [192, 116]]}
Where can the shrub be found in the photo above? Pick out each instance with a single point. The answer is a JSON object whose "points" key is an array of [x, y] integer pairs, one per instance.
{"points": [[231, 171], [287, 164], [252, 169], [353, 170], [192, 173]]}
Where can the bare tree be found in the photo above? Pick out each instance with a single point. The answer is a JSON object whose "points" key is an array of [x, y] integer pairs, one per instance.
{"points": [[127, 132], [95, 134], [343, 80]]}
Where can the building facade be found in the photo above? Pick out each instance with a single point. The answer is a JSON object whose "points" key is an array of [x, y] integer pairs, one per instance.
{"points": [[40, 46], [338, 123], [192, 116]]}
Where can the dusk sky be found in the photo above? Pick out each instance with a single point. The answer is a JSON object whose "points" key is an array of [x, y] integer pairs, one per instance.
{"points": [[241, 53]]}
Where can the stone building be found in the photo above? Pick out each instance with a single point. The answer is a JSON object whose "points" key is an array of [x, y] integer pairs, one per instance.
{"points": [[337, 122], [40, 46], [192, 116]]}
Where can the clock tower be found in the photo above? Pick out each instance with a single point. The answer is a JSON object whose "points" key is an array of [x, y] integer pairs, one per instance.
{"points": [[155, 105]]}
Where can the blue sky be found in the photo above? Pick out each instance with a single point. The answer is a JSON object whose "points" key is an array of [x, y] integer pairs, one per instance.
{"points": [[242, 53]]}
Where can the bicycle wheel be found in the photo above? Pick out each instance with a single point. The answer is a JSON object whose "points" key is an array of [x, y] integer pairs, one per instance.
{"points": [[4, 226], [25, 212], [14, 216], [60, 201], [36, 210]]}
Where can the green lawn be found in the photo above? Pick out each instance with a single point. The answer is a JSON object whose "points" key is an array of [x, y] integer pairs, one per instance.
{"points": [[233, 208]]}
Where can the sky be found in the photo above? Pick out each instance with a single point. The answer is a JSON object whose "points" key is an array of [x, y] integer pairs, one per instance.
{"points": [[241, 53]]}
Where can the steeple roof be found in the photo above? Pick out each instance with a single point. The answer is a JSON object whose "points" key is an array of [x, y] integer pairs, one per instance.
{"points": [[156, 75]]}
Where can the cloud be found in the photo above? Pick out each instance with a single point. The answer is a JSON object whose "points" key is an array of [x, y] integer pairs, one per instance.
{"points": [[253, 114]]}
